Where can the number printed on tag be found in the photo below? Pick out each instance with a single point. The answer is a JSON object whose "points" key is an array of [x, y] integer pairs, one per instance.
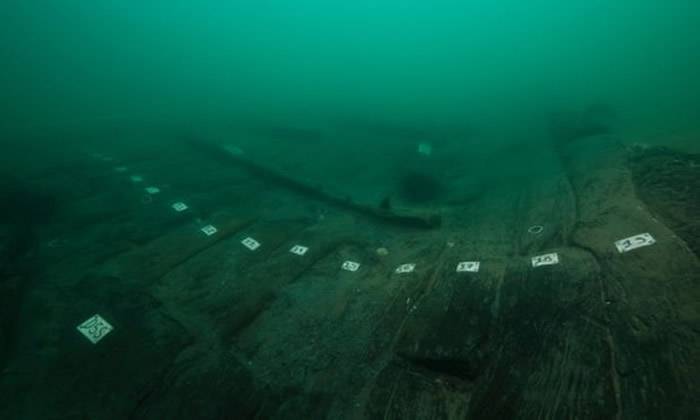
{"points": [[350, 266], [299, 250], [546, 259], [468, 267], [95, 328], [250, 243], [634, 242], [405, 268]]}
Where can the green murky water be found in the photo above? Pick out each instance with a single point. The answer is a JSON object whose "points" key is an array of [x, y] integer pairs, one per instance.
{"points": [[203, 175]]}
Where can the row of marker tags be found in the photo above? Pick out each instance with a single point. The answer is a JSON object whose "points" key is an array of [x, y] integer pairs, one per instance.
{"points": [[137, 179], [178, 206], [95, 328], [623, 245]]}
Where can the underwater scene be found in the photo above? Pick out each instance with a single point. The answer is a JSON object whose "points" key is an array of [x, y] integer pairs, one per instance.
{"points": [[354, 210]]}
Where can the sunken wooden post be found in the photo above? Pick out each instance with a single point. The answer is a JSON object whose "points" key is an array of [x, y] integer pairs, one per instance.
{"points": [[227, 156]]}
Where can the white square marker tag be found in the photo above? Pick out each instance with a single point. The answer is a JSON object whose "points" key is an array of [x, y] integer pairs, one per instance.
{"points": [[634, 242], [468, 267], [405, 268], [209, 230], [546, 259], [121, 169], [152, 190], [250, 243], [299, 249], [136, 178], [95, 328], [350, 266], [179, 206]]}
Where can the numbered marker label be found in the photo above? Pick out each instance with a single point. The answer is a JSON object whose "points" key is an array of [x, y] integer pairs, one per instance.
{"points": [[209, 230], [546, 259], [136, 179], [152, 190], [405, 268], [350, 266], [634, 242], [299, 249], [250, 243], [95, 328], [468, 267], [179, 206]]}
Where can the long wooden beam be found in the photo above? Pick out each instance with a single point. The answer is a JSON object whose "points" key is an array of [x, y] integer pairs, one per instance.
{"points": [[227, 156]]}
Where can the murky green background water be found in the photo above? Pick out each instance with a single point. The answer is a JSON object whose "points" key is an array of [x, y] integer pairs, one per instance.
{"points": [[500, 66]]}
